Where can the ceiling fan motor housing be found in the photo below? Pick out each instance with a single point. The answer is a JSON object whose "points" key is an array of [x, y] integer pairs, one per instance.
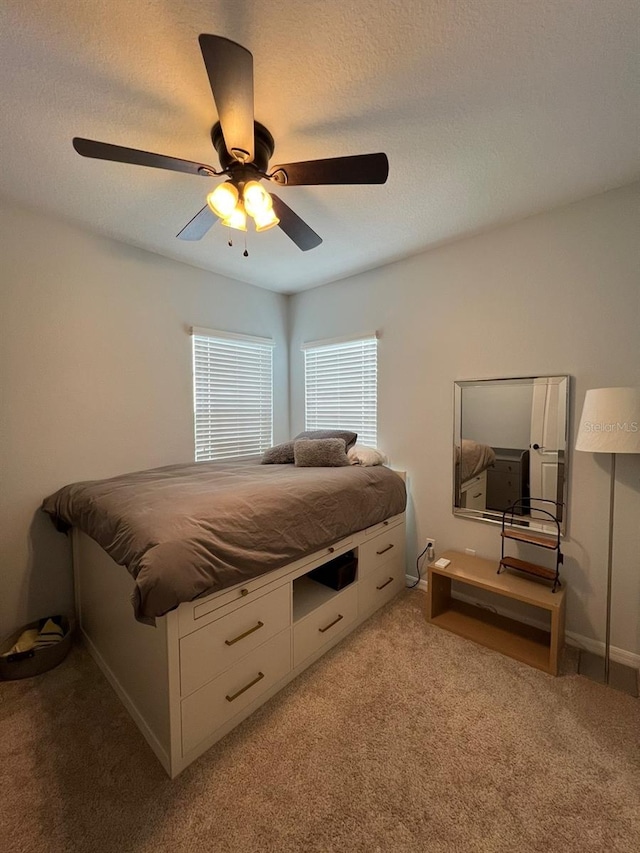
{"points": [[264, 148]]}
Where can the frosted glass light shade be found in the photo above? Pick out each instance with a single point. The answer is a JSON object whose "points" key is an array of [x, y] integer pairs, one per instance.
{"points": [[237, 218], [223, 199], [266, 220], [257, 200], [610, 421]]}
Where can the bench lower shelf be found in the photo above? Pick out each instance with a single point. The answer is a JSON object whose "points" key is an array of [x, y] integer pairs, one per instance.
{"points": [[528, 644]]}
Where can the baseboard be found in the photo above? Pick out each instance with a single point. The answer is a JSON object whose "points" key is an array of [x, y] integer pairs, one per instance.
{"points": [[422, 583], [571, 637], [619, 655], [124, 697]]}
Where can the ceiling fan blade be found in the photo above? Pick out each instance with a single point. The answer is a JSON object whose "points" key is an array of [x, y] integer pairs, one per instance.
{"points": [[106, 151], [295, 228], [359, 169], [230, 70], [199, 225]]}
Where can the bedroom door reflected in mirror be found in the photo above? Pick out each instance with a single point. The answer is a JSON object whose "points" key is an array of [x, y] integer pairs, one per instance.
{"points": [[510, 447]]}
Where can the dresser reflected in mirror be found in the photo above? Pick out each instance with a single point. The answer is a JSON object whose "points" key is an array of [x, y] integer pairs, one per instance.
{"points": [[510, 450]]}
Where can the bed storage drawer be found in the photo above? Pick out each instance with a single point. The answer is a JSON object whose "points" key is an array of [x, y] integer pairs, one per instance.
{"points": [[324, 623], [218, 645], [384, 525], [381, 585], [379, 550], [210, 707]]}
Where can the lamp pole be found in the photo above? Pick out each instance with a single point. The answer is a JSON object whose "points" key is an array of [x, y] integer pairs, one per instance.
{"points": [[612, 493]]}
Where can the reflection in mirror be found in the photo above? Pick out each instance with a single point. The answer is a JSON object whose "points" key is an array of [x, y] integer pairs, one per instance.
{"points": [[510, 445]]}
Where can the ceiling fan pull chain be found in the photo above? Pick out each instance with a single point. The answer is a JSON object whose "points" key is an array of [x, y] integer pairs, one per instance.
{"points": [[245, 253]]}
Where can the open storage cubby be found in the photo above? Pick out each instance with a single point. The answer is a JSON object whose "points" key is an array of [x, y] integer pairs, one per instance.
{"points": [[319, 586], [308, 595]]}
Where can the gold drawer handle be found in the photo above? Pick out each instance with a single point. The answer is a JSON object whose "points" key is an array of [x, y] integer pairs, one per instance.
{"points": [[331, 549], [246, 634], [335, 622], [258, 678], [384, 550], [244, 591], [386, 583]]}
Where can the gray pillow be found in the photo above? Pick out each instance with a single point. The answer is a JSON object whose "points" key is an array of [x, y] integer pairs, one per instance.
{"points": [[320, 453], [348, 437], [281, 454]]}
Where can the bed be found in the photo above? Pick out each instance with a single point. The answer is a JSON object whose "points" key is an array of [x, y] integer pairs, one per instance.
{"points": [[219, 557], [472, 459]]}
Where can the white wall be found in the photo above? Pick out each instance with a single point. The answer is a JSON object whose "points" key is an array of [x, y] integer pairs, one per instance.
{"points": [[95, 380], [556, 293]]}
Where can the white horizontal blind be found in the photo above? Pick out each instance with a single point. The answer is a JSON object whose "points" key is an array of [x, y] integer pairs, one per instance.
{"points": [[233, 396], [341, 387]]}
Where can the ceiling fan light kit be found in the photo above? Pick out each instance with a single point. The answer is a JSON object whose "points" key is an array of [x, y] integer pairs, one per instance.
{"points": [[244, 148]]}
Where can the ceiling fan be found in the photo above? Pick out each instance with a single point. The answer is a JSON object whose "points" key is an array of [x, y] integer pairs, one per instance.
{"points": [[244, 149]]}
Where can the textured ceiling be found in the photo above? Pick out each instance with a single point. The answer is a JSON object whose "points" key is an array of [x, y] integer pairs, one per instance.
{"points": [[489, 110]]}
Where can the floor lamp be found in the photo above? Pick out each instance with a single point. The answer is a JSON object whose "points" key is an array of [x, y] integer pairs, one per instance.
{"points": [[610, 423]]}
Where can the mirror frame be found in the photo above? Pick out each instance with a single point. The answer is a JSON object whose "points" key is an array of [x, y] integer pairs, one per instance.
{"points": [[495, 516]]}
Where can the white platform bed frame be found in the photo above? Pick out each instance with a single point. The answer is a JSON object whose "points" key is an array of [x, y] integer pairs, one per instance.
{"points": [[211, 662]]}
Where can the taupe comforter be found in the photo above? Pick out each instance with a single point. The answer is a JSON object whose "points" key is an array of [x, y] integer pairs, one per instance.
{"points": [[473, 458], [186, 530]]}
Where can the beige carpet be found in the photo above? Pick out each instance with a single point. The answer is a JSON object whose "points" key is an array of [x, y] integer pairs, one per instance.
{"points": [[403, 738]]}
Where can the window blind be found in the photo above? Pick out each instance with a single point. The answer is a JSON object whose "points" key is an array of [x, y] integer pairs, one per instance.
{"points": [[341, 387], [233, 395]]}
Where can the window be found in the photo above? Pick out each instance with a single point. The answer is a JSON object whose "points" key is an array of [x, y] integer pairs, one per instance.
{"points": [[341, 386], [233, 394]]}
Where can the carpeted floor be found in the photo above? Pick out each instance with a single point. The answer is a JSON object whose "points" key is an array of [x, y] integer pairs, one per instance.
{"points": [[403, 738]]}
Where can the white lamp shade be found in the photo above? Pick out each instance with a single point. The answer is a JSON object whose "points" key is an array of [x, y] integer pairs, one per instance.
{"points": [[610, 421]]}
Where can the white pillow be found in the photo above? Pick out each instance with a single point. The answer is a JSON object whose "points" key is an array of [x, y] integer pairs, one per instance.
{"points": [[365, 456]]}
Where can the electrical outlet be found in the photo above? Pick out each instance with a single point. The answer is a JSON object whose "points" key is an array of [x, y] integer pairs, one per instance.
{"points": [[432, 543], [470, 551]]}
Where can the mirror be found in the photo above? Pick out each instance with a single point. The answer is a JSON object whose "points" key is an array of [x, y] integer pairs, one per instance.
{"points": [[510, 451]]}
